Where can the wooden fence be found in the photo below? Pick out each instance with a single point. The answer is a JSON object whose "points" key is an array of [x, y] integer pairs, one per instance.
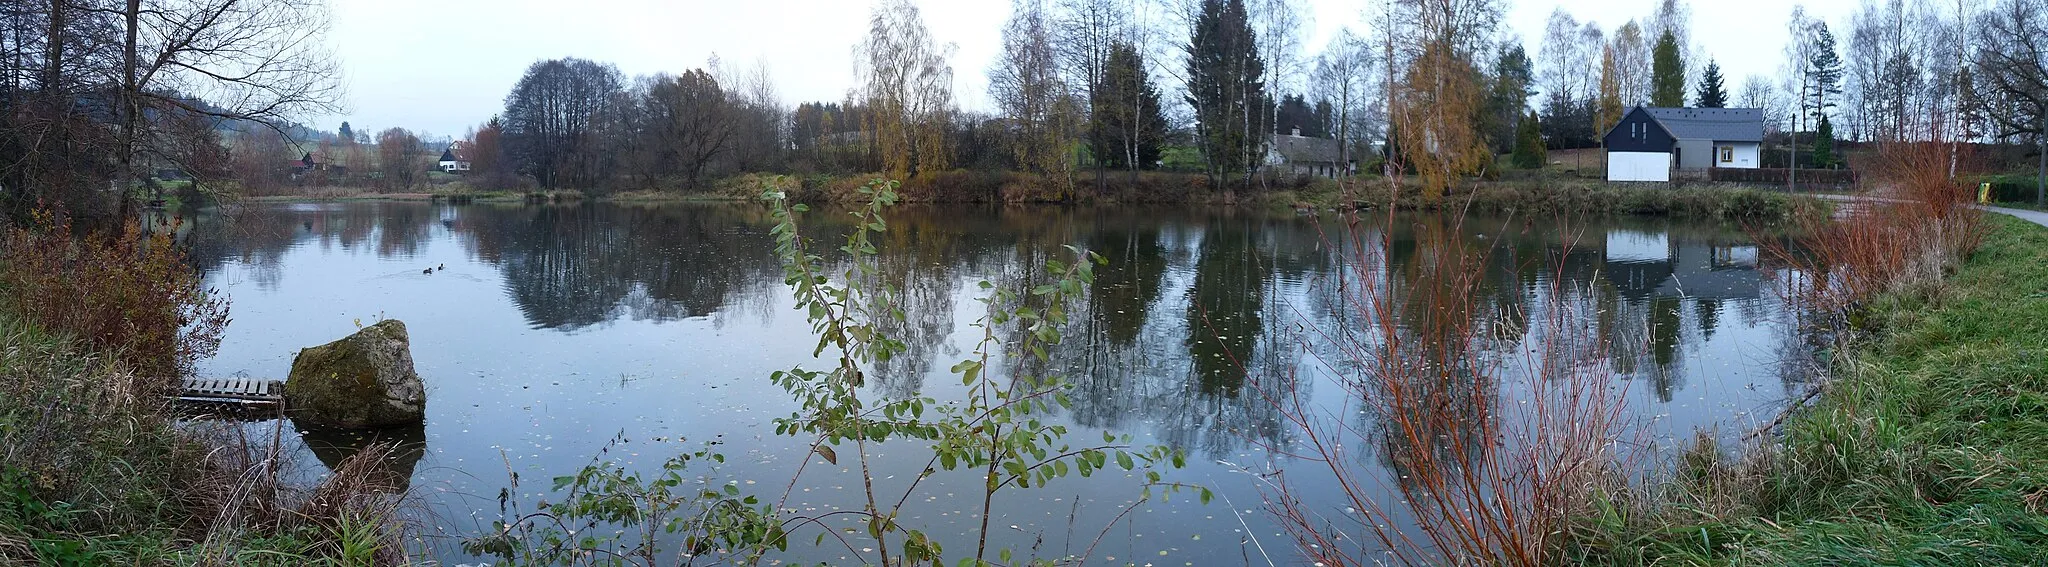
{"points": [[1808, 178]]}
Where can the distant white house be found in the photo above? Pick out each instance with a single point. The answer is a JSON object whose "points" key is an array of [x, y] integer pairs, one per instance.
{"points": [[452, 162], [1296, 154], [1650, 142]]}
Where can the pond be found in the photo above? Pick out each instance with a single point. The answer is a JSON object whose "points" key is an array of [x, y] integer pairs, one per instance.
{"points": [[550, 335]]}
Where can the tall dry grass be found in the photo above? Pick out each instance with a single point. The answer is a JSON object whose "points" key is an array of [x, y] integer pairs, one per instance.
{"points": [[1906, 236], [1495, 441]]}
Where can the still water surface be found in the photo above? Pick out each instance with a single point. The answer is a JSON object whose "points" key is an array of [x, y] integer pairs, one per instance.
{"points": [[549, 331]]}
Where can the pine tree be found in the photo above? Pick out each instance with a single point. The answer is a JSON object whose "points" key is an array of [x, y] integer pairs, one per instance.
{"points": [[1824, 74], [1529, 152], [1713, 94], [1667, 73], [1824, 144], [348, 135], [1227, 88]]}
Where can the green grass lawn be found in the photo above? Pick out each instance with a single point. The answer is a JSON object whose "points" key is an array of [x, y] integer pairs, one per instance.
{"points": [[1930, 449]]}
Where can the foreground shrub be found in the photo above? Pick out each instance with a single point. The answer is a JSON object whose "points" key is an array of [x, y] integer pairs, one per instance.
{"points": [[128, 293]]}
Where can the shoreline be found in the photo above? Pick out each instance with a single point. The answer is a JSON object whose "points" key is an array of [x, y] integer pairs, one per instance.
{"points": [[1548, 195], [1924, 448]]}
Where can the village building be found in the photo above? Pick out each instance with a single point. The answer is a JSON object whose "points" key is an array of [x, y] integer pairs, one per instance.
{"points": [[1649, 143], [1295, 154], [453, 161]]}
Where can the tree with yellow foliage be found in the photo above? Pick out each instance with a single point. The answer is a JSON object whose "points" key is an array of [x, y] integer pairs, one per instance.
{"points": [[1610, 95], [1438, 106], [908, 86]]}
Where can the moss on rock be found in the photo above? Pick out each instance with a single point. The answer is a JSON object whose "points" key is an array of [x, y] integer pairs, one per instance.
{"points": [[364, 380]]}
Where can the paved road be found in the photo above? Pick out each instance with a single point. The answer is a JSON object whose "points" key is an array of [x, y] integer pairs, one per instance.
{"points": [[2036, 217]]}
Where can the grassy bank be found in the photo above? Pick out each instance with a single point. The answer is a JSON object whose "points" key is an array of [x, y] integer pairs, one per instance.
{"points": [[1930, 448], [98, 472], [1544, 194]]}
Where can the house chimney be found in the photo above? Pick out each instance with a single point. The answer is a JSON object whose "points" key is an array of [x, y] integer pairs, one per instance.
{"points": [[1297, 131]]}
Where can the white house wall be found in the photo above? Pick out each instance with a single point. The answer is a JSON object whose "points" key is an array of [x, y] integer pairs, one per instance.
{"points": [[1639, 166], [1748, 155]]}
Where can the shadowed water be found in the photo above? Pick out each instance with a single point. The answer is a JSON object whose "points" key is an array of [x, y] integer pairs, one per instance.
{"points": [[554, 329]]}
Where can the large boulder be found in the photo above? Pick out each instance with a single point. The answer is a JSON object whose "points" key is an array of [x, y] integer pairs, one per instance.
{"points": [[364, 380]]}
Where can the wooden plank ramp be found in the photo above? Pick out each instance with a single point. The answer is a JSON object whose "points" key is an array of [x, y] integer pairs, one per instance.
{"points": [[250, 393]]}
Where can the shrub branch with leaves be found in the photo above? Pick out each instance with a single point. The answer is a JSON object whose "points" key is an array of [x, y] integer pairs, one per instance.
{"points": [[1000, 429]]}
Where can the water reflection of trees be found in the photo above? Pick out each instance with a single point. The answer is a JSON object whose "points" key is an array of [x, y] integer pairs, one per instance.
{"points": [[571, 267], [1192, 316], [564, 267]]}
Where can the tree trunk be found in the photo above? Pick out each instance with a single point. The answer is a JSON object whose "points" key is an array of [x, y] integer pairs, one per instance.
{"points": [[130, 111], [2041, 175]]}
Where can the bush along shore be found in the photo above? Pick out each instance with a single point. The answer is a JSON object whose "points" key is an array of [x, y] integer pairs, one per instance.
{"points": [[1925, 448], [1535, 194], [96, 468]]}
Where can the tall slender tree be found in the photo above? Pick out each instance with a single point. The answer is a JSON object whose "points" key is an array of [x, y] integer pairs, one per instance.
{"points": [[1127, 113], [1508, 99], [1712, 92], [1025, 83], [1611, 107], [1667, 75], [1227, 89]]}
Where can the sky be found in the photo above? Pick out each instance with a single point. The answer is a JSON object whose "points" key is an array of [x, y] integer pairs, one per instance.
{"points": [[443, 67]]}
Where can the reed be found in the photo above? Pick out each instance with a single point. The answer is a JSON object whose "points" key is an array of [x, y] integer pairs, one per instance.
{"points": [[1491, 455]]}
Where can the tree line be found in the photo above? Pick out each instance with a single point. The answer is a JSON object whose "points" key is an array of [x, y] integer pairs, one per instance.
{"points": [[1081, 88]]}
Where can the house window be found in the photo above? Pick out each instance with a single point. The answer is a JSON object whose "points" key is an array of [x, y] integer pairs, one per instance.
{"points": [[1727, 154]]}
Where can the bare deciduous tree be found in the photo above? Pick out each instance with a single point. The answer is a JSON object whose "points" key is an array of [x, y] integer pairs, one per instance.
{"points": [[401, 159], [2012, 65], [549, 118], [1026, 85]]}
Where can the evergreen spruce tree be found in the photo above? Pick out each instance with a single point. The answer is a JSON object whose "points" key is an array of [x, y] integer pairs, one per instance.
{"points": [[1529, 152], [1667, 73], [1127, 112], [1227, 89], [1824, 144], [1713, 94]]}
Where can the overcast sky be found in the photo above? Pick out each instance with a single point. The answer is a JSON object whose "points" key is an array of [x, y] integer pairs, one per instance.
{"points": [[444, 66]]}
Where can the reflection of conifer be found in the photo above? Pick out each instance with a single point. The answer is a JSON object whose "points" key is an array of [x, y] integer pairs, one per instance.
{"points": [[1224, 317]]}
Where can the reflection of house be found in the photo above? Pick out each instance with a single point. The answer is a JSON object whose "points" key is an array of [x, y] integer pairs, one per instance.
{"points": [[1685, 268], [1650, 142], [1300, 155], [453, 162]]}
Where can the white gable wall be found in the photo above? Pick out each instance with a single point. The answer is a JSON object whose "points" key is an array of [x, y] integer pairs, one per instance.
{"points": [[1639, 166]]}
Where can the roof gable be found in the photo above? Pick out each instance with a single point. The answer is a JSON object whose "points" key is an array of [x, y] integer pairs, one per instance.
{"points": [[1715, 124], [1651, 137]]}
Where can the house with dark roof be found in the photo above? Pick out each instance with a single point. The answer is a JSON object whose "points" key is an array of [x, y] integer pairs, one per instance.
{"points": [[453, 161], [1296, 154], [1648, 143]]}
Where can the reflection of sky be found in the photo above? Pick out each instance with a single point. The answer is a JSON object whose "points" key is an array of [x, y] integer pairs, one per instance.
{"points": [[552, 330]]}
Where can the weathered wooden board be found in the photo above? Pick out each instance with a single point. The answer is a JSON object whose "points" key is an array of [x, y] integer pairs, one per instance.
{"points": [[246, 391]]}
